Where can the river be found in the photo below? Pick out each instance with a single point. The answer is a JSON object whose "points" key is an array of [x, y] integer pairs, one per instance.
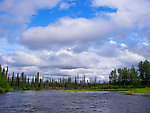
{"points": [[72, 102]]}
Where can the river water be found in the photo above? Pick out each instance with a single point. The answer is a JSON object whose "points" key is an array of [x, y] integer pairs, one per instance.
{"points": [[72, 102]]}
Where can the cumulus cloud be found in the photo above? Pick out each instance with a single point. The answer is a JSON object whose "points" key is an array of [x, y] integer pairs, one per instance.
{"points": [[109, 51], [66, 31], [112, 42], [69, 31], [23, 59], [123, 45], [145, 44], [141, 49], [65, 62], [15, 14], [130, 14], [135, 11]]}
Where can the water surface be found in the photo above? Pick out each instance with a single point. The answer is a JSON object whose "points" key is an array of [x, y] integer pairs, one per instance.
{"points": [[72, 102]]}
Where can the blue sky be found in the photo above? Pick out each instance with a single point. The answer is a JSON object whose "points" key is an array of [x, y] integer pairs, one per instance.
{"points": [[69, 37], [79, 9]]}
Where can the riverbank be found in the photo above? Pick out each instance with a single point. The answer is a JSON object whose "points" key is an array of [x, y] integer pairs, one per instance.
{"points": [[93, 89], [139, 91], [127, 91], [5, 90]]}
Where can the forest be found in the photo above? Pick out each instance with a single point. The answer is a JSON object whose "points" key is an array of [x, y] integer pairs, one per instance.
{"points": [[118, 78], [131, 76]]}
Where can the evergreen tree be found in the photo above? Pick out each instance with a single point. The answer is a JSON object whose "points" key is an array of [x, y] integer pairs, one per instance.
{"points": [[113, 77], [32, 83], [13, 79], [18, 83], [41, 83], [25, 81], [120, 76], [22, 80], [37, 81], [28, 83], [4, 84], [144, 69], [133, 76], [126, 76], [47, 84]]}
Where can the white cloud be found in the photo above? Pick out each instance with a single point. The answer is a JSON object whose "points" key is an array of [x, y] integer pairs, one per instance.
{"points": [[64, 62], [130, 14], [141, 49], [145, 44], [123, 45], [112, 42], [20, 58], [65, 5], [66, 31], [15, 14]]}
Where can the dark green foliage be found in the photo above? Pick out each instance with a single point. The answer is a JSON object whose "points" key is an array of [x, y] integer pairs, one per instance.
{"points": [[113, 77], [134, 79], [13, 79], [41, 83], [32, 83], [22, 80], [144, 69], [4, 84], [130, 76], [18, 84], [37, 80]]}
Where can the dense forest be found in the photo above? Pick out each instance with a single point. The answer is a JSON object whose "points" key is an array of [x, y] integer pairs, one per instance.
{"points": [[131, 76], [118, 77]]}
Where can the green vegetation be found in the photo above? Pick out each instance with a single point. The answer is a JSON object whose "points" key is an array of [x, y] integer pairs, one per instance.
{"points": [[119, 80], [4, 84], [145, 90], [108, 87], [130, 77]]}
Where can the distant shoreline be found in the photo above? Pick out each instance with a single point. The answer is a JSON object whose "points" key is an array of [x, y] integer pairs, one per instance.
{"points": [[133, 91], [142, 94]]}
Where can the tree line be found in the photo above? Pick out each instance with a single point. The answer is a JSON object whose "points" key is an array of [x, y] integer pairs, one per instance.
{"points": [[21, 81], [131, 76], [120, 77]]}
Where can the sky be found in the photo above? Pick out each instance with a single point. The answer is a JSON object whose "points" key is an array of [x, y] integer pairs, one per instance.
{"points": [[73, 37]]}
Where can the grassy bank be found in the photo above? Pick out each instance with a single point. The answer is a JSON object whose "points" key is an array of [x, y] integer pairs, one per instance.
{"points": [[108, 87], [129, 89], [120, 89], [75, 90], [145, 90], [105, 87], [94, 90]]}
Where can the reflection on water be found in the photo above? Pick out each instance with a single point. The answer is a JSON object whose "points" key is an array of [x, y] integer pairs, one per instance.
{"points": [[72, 101]]}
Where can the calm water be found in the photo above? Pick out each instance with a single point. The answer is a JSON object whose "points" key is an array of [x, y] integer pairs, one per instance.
{"points": [[72, 102]]}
